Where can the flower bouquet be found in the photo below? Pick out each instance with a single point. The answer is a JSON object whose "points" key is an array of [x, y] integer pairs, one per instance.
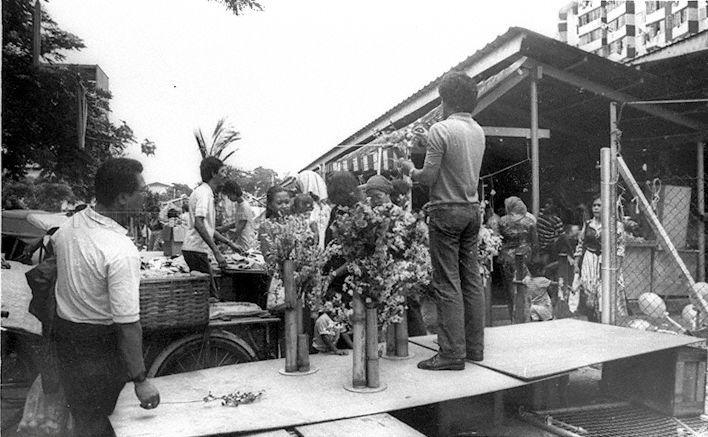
{"points": [[384, 249], [488, 246], [295, 260]]}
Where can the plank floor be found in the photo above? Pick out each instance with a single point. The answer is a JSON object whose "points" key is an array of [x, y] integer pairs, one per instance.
{"points": [[290, 401], [538, 350]]}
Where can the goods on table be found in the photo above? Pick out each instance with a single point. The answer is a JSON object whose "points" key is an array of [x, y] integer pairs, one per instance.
{"points": [[163, 266], [230, 310], [251, 260]]}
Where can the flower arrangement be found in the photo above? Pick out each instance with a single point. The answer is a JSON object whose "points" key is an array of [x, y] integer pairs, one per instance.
{"points": [[488, 245], [292, 238], [387, 259]]}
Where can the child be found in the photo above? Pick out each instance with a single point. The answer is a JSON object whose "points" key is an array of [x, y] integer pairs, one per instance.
{"points": [[537, 291], [327, 333], [304, 204]]}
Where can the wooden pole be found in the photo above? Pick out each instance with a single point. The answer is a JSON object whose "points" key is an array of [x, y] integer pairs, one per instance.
{"points": [[535, 169], [659, 229], [290, 318], [522, 309], [372, 348], [701, 193], [36, 33], [379, 162], [607, 248], [391, 340], [359, 342], [299, 315], [402, 335], [303, 353]]}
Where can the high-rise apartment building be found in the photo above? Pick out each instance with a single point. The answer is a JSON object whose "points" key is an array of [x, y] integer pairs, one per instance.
{"points": [[621, 30]]}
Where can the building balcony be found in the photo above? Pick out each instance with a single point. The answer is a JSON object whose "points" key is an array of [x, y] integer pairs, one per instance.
{"points": [[679, 31], [616, 12], [587, 28], [657, 41], [655, 16], [587, 6], [592, 46], [617, 34], [679, 5]]}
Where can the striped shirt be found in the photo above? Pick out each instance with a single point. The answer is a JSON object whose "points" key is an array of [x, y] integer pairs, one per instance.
{"points": [[549, 227]]}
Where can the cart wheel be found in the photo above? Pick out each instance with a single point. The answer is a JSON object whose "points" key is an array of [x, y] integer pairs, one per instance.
{"points": [[17, 376], [187, 354]]}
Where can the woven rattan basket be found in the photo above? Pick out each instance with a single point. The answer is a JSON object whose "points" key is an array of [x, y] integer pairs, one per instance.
{"points": [[174, 302]]}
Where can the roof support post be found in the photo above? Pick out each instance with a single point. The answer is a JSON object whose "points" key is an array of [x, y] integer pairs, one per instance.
{"points": [[535, 168], [701, 191]]}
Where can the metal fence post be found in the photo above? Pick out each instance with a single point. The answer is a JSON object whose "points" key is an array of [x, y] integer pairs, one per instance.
{"points": [[701, 193], [605, 233], [612, 203]]}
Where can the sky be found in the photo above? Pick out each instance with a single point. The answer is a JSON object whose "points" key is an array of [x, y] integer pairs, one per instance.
{"points": [[295, 79]]}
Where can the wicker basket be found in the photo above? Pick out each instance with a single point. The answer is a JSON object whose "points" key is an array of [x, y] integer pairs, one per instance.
{"points": [[169, 303]]}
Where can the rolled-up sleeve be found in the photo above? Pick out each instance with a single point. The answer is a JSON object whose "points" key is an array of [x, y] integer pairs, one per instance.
{"points": [[433, 157], [124, 288], [202, 204]]}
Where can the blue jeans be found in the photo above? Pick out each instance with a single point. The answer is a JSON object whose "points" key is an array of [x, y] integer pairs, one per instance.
{"points": [[457, 284]]}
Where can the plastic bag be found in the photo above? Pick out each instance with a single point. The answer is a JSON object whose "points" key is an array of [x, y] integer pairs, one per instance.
{"points": [[44, 415], [574, 295]]}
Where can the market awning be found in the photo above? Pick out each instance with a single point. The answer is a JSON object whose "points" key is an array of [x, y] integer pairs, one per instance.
{"points": [[574, 88]]}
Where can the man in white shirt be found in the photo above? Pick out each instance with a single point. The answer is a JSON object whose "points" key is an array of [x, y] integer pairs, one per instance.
{"points": [[97, 329], [201, 229], [244, 231]]}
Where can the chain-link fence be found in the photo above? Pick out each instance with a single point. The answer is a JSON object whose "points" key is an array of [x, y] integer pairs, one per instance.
{"points": [[654, 287]]}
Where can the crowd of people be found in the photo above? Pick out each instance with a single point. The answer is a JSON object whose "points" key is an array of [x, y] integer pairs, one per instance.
{"points": [[546, 246], [97, 328]]}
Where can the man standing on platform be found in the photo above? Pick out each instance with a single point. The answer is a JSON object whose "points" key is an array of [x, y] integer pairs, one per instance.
{"points": [[452, 164], [201, 231], [97, 329]]}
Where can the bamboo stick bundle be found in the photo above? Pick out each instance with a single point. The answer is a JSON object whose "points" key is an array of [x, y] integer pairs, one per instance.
{"points": [[372, 348], [291, 324], [391, 340], [401, 333], [303, 353], [359, 342]]}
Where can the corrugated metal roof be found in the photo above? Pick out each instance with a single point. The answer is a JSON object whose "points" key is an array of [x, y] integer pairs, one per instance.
{"points": [[588, 66]]}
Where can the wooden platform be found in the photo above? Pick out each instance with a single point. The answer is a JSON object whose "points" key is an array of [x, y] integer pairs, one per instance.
{"points": [[377, 425], [290, 401], [532, 351]]}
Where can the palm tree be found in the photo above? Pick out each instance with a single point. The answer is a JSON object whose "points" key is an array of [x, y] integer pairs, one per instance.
{"points": [[224, 136]]}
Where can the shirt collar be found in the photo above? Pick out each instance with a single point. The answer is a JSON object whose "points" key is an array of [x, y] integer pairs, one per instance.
{"points": [[461, 115], [102, 220]]}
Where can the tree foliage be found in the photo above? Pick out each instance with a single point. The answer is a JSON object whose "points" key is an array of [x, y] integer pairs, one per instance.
{"points": [[40, 107], [36, 194], [256, 181], [238, 6]]}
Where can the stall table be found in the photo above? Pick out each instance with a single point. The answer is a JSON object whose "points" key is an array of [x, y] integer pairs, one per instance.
{"points": [[290, 401]]}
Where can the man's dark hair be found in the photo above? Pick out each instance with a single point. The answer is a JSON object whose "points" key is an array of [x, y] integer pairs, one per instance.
{"points": [[400, 187], [343, 188], [458, 91], [232, 188], [172, 213], [209, 166], [116, 176]]}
